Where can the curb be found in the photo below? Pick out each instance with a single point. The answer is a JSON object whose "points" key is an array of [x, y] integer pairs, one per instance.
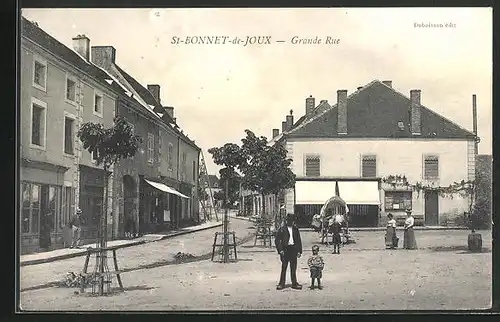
{"points": [[139, 242]]}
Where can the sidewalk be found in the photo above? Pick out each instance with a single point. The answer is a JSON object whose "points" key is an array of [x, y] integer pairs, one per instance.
{"points": [[425, 228], [65, 253]]}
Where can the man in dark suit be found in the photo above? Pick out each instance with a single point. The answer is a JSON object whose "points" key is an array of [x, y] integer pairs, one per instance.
{"points": [[289, 246]]}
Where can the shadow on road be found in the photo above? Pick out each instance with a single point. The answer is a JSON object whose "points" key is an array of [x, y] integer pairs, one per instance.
{"points": [[462, 249]]}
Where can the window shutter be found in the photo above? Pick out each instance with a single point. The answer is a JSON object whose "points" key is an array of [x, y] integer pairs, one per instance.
{"points": [[431, 167], [313, 166], [369, 166]]}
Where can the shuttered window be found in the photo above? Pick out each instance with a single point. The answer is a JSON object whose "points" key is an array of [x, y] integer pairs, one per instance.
{"points": [[431, 167], [313, 165], [369, 166]]}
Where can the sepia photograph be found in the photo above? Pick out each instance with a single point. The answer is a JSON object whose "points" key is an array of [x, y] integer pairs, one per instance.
{"points": [[254, 159]]}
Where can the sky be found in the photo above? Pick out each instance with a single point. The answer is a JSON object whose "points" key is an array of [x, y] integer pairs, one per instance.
{"points": [[218, 90]]}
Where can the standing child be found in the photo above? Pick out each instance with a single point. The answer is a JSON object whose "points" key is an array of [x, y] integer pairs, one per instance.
{"points": [[316, 264], [335, 229]]}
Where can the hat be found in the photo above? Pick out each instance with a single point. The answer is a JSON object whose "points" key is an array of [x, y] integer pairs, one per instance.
{"points": [[78, 211], [290, 216], [408, 210]]}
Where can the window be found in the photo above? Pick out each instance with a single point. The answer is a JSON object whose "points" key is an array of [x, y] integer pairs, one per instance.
{"points": [[38, 120], [151, 145], [39, 74], [68, 206], [184, 166], [69, 135], [313, 166], [398, 200], [98, 104], [70, 89], [431, 167], [194, 171], [93, 156], [37, 201], [369, 166], [170, 157]]}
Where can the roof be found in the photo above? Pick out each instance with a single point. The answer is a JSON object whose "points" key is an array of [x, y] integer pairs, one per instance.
{"points": [[374, 111], [34, 33], [156, 107]]}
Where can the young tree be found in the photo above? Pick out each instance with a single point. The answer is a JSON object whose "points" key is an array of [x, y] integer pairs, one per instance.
{"points": [[266, 168], [108, 146]]}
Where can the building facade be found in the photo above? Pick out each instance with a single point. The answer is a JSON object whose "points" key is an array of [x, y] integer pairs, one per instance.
{"points": [[374, 133], [59, 91], [62, 88]]}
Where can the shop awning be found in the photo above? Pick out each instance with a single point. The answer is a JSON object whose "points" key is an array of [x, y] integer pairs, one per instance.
{"points": [[352, 192], [165, 188]]}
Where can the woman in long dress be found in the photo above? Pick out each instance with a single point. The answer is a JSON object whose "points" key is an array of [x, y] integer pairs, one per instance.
{"points": [[409, 235], [390, 234]]}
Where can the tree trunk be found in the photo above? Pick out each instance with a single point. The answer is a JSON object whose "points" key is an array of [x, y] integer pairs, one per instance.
{"points": [[104, 233], [263, 206]]}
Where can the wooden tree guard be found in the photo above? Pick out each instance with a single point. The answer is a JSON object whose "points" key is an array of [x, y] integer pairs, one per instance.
{"points": [[98, 252], [230, 239], [263, 233]]}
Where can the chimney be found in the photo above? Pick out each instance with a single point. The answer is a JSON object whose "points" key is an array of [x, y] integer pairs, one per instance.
{"points": [[170, 110], [387, 83], [276, 132], [103, 56], [155, 90], [81, 44], [415, 111], [283, 127], [342, 111], [310, 104], [474, 121], [289, 121]]}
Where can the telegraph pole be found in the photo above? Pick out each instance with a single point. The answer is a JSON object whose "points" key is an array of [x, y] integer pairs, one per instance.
{"points": [[225, 224]]}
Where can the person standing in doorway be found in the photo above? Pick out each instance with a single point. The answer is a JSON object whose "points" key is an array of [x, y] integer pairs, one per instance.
{"points": [[289, 246], [76, 223]]}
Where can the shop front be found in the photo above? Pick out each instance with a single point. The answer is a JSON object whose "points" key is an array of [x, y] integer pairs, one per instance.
{"points": [[361, 196], [91, 201], [42, 205], [160, 206]]}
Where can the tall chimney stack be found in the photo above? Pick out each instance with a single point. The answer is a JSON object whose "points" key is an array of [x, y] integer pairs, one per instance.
{"points": [[81, 44], [415, 112], [474, 122], [342, 111], [103, 56], [283, 127], [276, 132], [155, 91], [310, 104], [170, 111], [289, 121]]}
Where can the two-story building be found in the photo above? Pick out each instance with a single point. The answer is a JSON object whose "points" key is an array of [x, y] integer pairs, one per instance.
{"points": [[157, 188], [371, 134], [59, 91]]}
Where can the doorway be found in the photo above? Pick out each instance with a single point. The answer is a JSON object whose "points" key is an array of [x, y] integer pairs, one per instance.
{"points": [[129, 201], [431, 208]]}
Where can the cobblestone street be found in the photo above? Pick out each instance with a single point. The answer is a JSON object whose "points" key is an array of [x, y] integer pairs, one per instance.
{"points": [[441, 274]]}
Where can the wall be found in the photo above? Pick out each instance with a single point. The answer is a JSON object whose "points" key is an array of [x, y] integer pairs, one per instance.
{"points": [[192, 155], [342, 158]]}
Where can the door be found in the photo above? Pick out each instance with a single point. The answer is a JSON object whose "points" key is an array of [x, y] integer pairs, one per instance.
{"points": [[45, 217], [431, 208]]}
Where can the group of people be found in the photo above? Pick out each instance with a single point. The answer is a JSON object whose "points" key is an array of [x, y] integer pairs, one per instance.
{"points": [[289, 246], [391, 239]]}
